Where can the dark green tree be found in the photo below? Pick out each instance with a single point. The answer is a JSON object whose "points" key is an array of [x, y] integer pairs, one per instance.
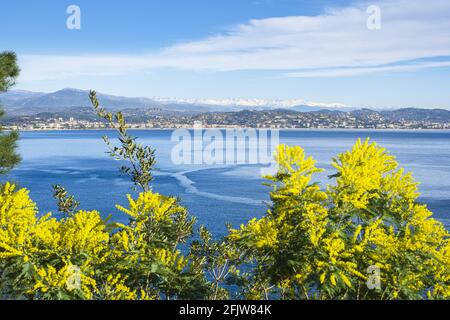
{"points": [[8, 140]]}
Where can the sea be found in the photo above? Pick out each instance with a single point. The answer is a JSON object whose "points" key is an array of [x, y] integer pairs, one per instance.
{"points": [[216, 194]]}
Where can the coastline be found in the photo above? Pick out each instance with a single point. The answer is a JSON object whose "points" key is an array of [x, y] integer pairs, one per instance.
{"points": [[245, 128]]}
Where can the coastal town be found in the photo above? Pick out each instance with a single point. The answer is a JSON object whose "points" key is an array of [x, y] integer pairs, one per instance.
{"points": [[280, 119]]}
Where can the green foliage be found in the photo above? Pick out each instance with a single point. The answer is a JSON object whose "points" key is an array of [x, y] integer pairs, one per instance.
{"points": [[66, 203], [141, 158], [9, 71], [218, 260]]}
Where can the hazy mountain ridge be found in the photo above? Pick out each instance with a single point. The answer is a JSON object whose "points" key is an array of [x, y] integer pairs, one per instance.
{"points": [[64, 99], [25, 103], [75, 102]]}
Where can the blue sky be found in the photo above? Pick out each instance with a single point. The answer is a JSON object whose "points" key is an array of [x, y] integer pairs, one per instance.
{"points": [[316, 50]]}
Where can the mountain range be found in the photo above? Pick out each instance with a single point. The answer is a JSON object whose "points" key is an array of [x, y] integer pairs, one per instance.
{"points": [[69, 101], [19, 102]]}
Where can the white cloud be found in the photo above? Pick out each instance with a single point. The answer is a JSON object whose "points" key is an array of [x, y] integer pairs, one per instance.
{"points": [[348, 72], [319, 46]]}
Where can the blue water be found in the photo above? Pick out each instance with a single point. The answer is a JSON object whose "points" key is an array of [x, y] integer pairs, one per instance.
{"points": [[214, 194]]}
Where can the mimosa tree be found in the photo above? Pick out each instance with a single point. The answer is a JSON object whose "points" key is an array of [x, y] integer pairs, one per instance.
{"points": [[365, 236]]}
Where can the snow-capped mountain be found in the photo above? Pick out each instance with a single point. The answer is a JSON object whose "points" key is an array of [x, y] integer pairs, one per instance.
{"points": [[32, 102], [255, 103]]}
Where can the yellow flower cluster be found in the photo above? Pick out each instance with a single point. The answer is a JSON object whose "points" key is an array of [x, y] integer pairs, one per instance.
{"points": [[115, 288], [17, 218], [83, 232], [81, 256], [263, 232], [170, 258], [150, 212], [327, 240], [152, 206], [69, 279], [367, 172]]}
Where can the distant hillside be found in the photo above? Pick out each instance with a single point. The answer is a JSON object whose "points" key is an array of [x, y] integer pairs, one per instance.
{"points": [[84, 117], [29, 103], [414, 114], [75, 103], [405, 114], [365, 118], [17, 96]]}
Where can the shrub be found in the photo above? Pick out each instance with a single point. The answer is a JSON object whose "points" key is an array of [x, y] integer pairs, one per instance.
{"points": [[82, 256], [329, 244]]}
